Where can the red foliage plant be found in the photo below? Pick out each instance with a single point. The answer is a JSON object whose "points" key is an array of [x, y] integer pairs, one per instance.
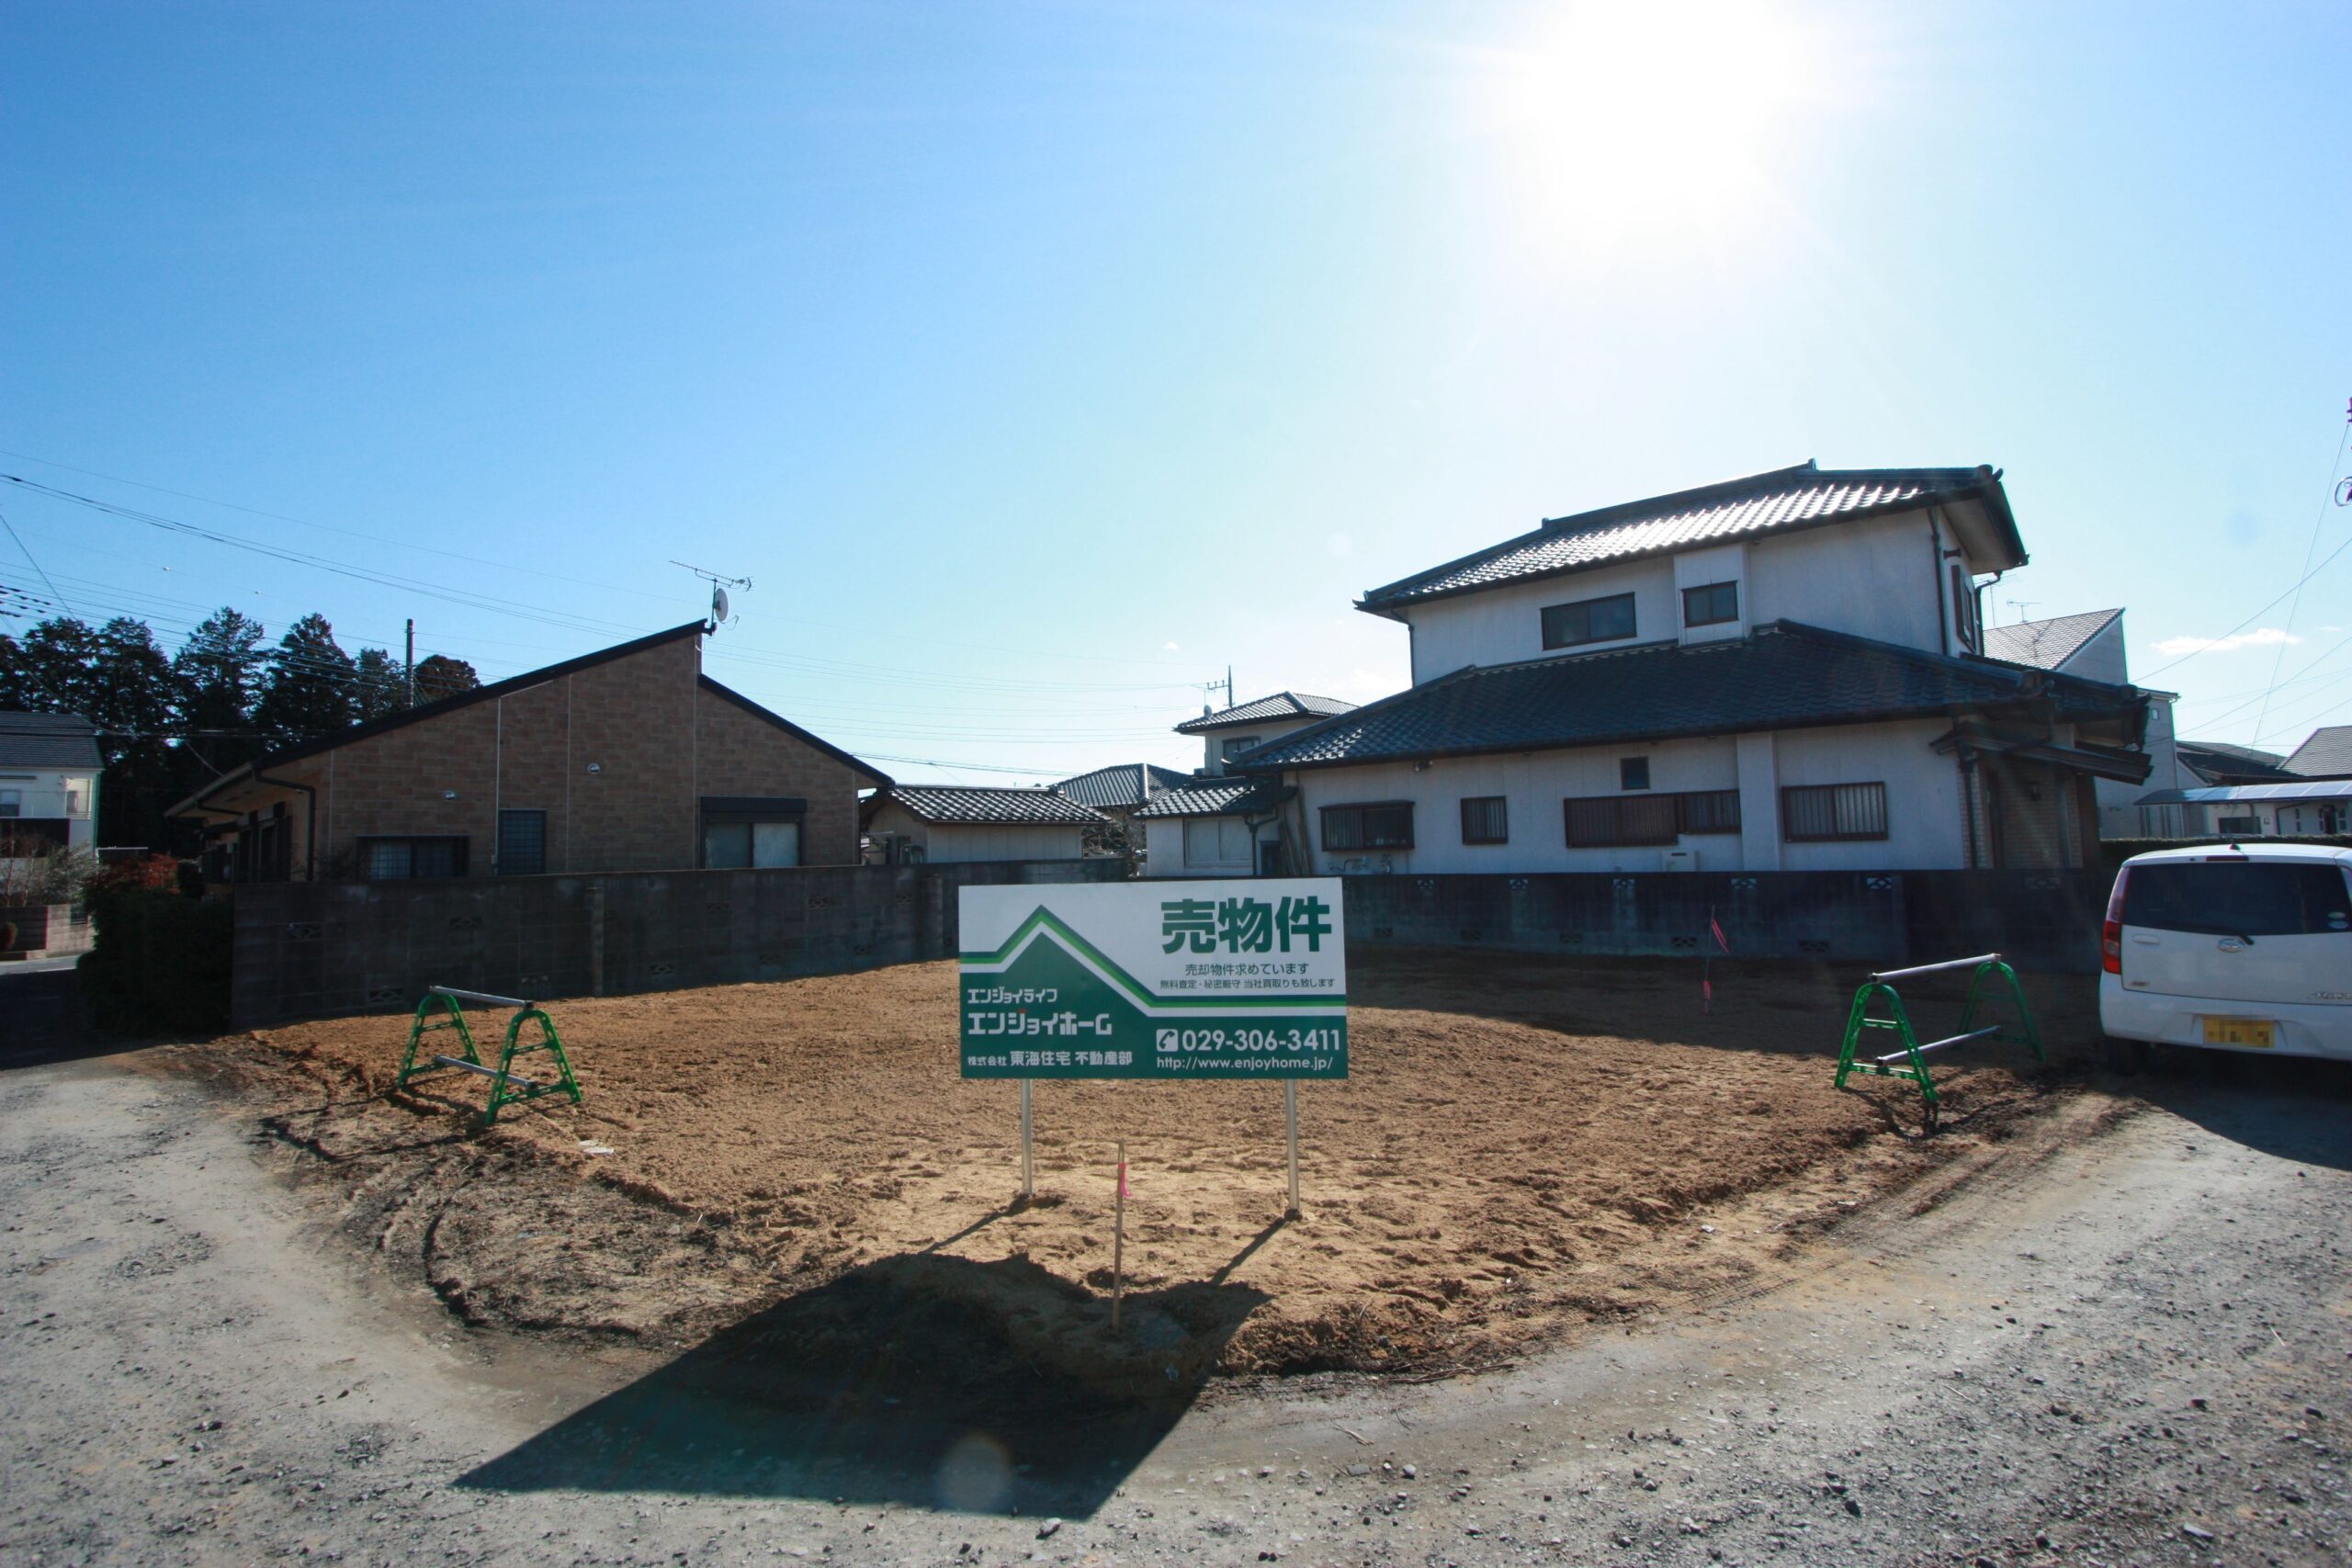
{"points": [[149, 874]]}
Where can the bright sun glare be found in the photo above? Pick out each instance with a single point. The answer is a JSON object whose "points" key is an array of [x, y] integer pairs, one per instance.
{"points": [[1626, 122]]}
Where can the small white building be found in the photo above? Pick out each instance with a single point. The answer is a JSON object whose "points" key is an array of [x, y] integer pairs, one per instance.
{"points": [[1782, 672], [947, 824], [49, 782], [1216, 824]]}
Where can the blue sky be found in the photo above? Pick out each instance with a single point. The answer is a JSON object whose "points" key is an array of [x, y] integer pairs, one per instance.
{"points": [[1035, 361]]}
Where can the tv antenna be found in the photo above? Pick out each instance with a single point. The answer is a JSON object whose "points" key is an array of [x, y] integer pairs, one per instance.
{"points": [[720, 583], [2021, 606]]}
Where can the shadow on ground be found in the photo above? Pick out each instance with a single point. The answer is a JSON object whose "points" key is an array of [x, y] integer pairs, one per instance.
{"points": [[2297, 1108], [919, 1379], [42, 1018]]}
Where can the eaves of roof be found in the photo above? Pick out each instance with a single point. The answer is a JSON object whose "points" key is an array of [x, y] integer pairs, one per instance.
{"points": [[1217, 798], [1783, 675], [982, 806], [1281, 707]]}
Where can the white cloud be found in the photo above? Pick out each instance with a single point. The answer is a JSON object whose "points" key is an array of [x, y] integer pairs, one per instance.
{"points": [[2261, 636], [1172, 647]]}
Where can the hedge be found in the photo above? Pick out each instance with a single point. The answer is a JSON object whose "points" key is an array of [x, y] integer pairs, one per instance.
{"points": [[2117, 850], [159, 964]]}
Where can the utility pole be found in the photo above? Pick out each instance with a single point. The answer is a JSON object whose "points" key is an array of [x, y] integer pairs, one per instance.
{"points": [[1228, 685], [411, 661]]}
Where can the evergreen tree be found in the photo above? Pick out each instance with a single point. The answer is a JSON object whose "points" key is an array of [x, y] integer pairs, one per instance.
{"points": [[312, 685], [219, 671], [59, 661], [135, 708], [14, 677], [382, 686], [442, 676]]}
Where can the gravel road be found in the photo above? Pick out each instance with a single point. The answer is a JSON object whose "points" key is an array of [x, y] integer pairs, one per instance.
{"points": [[2132, 1350]]}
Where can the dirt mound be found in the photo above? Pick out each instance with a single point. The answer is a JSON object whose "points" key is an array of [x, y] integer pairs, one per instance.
{"points": [[1524, 1143]]}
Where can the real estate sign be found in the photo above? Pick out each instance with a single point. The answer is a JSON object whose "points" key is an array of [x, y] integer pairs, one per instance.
{"points": [[1243, 979]]}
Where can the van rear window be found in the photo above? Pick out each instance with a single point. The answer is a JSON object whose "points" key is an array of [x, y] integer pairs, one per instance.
{"points": [[2235, 899]]}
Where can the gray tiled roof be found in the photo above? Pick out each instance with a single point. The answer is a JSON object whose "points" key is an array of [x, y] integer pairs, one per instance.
{"points": [[2327, 754], [2045, 645], [1122, 787], [980, 804], [1217, 798], [1736, 509], [1281, 705], [48, 741], [2216, 761], [1785, 675]]}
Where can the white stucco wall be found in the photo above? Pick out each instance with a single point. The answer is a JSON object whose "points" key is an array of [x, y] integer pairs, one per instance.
{"points": [[1212, 743], [948, 844], [1504, 626], [1884, 578], [44, 792], [1164, 849], [1926, 828]]}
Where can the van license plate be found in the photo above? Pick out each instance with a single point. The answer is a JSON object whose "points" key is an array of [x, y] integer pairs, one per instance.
{"points": [[2258, 1032]]}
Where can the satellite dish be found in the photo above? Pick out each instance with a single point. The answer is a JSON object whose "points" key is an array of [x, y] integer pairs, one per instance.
{"points": [[718, 603]]}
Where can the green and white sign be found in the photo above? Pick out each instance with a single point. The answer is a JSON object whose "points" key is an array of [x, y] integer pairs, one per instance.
{"points": [[1155, 980]]}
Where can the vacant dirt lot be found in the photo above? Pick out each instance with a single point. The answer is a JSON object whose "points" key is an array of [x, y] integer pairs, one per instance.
{"points": [[1525, 1145]]}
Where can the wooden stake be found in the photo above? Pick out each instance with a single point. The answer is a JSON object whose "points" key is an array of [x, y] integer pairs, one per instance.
{"points": [[1119, 1240]]}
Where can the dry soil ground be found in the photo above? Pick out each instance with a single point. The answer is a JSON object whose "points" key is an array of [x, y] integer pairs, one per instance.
{"points": [[1525, 1146]]}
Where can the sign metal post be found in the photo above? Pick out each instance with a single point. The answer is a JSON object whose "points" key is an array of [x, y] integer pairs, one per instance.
{"points": [[1290, 1116], [1028, 1148]]}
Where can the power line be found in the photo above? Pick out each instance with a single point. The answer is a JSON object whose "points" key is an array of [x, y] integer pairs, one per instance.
{"points": [[2325, 501], [1091, 658], [29, 555]]}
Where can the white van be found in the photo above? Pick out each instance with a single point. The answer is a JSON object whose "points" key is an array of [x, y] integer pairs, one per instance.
{"points": [[2242, 948]]}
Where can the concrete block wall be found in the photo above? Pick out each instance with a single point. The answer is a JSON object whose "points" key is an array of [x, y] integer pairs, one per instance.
{"points": [[312, 950]]}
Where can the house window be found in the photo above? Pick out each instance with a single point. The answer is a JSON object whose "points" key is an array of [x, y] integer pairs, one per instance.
{"points": [[1964, 611], [1709, 811], [1609, 821], [402, 860], [748, 832], [1232, 745], [1216, 840], [1632, 773], [1710, 605], [12, 802], [1816, 813], [1385, 826], [2252, 824], [522, 843], [1588, 620], [1485, 821]]}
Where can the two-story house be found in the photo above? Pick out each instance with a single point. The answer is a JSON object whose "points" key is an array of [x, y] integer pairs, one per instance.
{"points": [[1227, 824], [49, 782], [1785, 671]]}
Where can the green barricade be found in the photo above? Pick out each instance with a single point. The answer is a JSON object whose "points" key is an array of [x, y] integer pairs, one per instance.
{"points": [[1910, 1062], [507, 1086]]}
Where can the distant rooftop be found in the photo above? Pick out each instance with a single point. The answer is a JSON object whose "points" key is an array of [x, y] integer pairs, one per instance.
{"points": [[983, 805], [2327, 754], [1122, 787], [1281, 705], [2045, 645], [1782, 500], [48, 741]]}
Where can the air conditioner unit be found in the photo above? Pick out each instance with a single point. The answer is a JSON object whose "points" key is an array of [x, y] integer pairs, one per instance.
{"points": [[1681, 860]]}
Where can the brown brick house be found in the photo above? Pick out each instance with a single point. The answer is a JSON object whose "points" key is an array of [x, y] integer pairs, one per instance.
{"points": [[630, 759]]}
